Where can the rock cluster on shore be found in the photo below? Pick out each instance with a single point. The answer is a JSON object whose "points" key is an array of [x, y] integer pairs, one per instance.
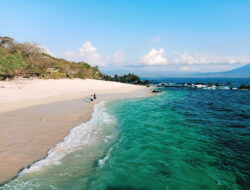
{"points": [[198, 85]]}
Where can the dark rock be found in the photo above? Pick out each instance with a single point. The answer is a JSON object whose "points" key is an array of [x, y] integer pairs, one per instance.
{"points": [[210, 84], [156, 91], [176, 86], [243, 87]]}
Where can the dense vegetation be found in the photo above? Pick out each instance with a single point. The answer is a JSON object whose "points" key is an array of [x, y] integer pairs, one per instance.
{"points": [[11, 63], [26, 59], [130, 78], [29, 60]]}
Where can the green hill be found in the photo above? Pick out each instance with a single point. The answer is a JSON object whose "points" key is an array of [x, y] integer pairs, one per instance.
{"points": [[28, 60]]}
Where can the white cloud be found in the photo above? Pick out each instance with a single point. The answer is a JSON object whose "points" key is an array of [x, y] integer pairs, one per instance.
{"points": [[86, 53], [187, 68], [45, 50], [199, 58], [117, 57], [158, 60], [154, 57], [89, 54], [190, 61]]}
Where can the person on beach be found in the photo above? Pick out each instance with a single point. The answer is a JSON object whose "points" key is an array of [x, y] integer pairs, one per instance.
{"points": [[94, 96], [91, 98]]}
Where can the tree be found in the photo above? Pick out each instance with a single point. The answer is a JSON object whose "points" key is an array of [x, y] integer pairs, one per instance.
{"points": [[10, 64], [32, 54]]}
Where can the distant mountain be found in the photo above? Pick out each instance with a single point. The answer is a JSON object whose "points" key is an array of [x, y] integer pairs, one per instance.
{"points": [[241, 72]]}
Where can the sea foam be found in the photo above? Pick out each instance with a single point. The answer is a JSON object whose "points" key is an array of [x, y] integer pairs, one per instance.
{"points": [[85, 135]]}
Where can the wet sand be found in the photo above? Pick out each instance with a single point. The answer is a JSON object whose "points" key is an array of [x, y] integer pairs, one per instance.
{"points": [[27, 134]]}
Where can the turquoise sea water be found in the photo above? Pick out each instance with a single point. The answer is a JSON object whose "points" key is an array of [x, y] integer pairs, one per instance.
{"points": [[179, 139]]}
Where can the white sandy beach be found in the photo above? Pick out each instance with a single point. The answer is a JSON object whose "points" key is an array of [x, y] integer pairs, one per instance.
{"points": [[22, 93], [36, 114]]}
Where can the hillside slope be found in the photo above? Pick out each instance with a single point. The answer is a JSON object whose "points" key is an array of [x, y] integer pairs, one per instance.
{"points": [[26, 59]]}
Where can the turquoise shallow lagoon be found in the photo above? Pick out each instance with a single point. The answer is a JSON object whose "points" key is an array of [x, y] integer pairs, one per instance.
{"points": [[179, 139]]}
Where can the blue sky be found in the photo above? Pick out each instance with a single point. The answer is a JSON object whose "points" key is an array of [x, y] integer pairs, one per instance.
{"points": [[141, 36]]}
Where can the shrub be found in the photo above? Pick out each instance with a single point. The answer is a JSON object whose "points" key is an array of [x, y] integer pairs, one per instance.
{"points": [[11, 64]]}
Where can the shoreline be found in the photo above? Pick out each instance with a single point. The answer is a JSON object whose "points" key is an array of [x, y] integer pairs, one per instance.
{"points": [[22, 93], [29, 133]]}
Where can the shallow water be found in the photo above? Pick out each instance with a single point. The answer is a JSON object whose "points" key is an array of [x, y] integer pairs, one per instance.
{"points": [[180, 139]]}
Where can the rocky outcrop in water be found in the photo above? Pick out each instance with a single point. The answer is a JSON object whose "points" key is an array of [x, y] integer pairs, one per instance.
{"points": [[243, 87], [156, 91]]}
